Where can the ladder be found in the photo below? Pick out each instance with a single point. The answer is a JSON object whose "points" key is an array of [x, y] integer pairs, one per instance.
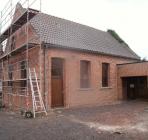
{"points": [[37, 101]]}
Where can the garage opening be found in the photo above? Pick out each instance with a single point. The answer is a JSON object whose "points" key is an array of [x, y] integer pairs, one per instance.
{"points": [[135, 87]]}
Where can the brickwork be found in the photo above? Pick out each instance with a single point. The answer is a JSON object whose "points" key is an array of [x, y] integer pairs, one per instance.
{"points": [[73, 94], [33, 59]]}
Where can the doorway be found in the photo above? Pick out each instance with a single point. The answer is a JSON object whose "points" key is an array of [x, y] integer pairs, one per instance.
{"points": [[135, 87], [57, 94]]}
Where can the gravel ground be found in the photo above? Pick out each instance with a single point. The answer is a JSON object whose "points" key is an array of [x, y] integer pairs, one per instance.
{"points": [[125, 121]]}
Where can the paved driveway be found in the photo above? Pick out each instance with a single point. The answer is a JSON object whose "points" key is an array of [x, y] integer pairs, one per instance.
{"points": [[125, 121]]}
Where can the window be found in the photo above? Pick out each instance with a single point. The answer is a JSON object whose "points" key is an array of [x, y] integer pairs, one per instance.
{"points": [[23, 83], [23, 73], [23, 69], [10, 70], [10, 74], [105, 74], [84, 74], [57, 67], [13, 38]]}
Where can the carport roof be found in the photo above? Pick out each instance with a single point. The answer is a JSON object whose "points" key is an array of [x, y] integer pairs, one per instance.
{"points": [[133, 69], [134, 63]]}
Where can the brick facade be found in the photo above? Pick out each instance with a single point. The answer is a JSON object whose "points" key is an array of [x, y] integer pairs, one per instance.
{"points": [[73, 94], [33, 60]]}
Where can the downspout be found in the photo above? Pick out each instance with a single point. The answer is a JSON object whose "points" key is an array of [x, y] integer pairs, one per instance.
{"points": [[44, 87]]}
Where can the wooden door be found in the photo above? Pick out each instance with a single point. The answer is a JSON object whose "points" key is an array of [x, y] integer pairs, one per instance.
{"points": [[131, 92], [57, 99]]}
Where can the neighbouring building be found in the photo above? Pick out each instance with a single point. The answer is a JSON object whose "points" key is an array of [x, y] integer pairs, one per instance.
{"points": [[76, 65]]}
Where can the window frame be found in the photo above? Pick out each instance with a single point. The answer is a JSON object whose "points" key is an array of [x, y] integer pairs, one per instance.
{"points": [[13, 42], [23, 70], [86, 85], [10, 75], [105, 83]]}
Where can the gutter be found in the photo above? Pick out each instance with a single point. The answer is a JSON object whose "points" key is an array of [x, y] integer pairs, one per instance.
{"points": [[49, 45]]}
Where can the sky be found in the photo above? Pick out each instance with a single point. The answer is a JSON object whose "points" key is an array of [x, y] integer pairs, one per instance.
{"points": [[129, 18]]}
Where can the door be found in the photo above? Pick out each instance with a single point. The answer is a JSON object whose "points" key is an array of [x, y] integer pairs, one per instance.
{"points": [[57, 95], [131, 92]]}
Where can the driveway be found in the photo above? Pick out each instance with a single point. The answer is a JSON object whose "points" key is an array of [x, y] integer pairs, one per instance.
{"points": [[124, 121]]}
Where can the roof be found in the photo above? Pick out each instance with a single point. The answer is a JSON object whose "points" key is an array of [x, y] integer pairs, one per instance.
{"points": [[65, 33]]}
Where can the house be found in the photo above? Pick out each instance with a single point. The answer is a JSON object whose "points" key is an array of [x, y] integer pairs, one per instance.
{"points": [[76, 65]]}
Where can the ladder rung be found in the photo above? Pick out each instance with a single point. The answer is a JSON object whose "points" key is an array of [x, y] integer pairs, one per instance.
{"points": [[38, 106], [31, 71], [37, 101], [40, 111], [33, 77], [36, 96]]}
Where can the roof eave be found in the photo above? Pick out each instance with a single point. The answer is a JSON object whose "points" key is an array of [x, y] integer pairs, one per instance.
{"points": [[89, 51]]}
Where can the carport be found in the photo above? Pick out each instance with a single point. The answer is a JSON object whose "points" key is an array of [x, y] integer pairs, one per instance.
{"points": [[133, 80], [135, 87]]}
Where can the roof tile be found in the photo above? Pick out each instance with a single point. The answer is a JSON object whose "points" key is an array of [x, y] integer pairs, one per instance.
{"points": [[66, 33]]}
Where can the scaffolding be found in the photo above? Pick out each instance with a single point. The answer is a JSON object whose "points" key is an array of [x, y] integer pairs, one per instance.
{"points": [[14, 77]]}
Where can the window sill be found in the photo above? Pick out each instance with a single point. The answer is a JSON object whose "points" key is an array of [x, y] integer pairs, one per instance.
{"points": [[106, 88]]}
